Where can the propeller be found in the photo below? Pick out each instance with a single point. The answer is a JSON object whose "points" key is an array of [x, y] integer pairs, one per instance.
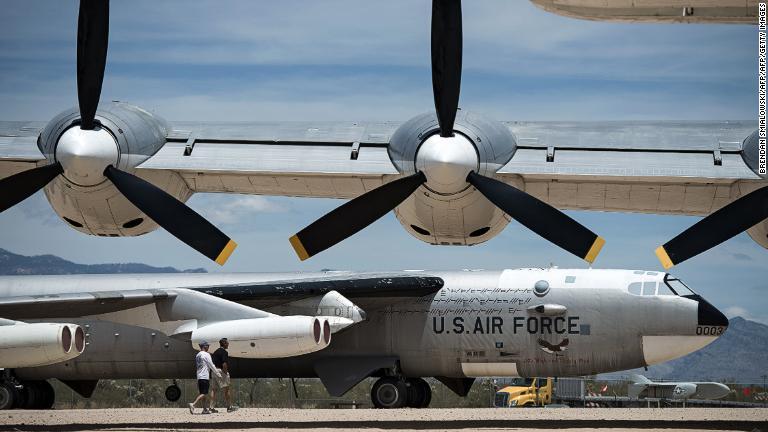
{"points": [[716, 228], [362, 211], [353, 216], [168, 212], [446, 61], [541, 218], [92, 43], [21, 186]]}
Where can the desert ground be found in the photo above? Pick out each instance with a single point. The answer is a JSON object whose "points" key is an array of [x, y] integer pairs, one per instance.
{"points": [[470, 419]]}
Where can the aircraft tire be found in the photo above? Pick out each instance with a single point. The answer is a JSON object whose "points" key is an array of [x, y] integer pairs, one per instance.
{"points": [[47, 395], [9, 396], [173, 393], [427, 393], [389, 392], [419, 393]]}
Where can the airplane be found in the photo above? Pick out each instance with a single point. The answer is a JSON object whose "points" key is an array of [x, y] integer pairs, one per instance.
{"points": [[641, 386], [452, 177], [344, 327], [663, 11]]}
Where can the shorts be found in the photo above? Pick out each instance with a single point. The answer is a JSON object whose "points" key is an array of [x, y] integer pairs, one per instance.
{"points": [[203, 385], [220, 383]]}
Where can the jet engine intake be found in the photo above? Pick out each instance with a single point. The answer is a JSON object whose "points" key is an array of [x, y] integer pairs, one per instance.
{"points": [[269, 337], [39, 344]]}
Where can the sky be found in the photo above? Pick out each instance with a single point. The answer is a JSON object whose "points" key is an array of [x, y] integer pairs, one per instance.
{"points": [[369, 60]]}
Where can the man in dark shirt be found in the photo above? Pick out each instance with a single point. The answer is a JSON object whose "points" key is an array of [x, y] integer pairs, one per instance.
{"points": [[221, 361]]}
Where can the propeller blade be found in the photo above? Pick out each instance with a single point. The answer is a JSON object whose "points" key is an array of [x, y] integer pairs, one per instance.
{"points": [[353, 216], [540, 217], [446, 61], [716, 228], [21, 186], [92, 41], [173, 215]]}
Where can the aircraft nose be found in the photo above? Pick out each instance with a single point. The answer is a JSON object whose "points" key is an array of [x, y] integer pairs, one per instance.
{"points": [[710, 315]]}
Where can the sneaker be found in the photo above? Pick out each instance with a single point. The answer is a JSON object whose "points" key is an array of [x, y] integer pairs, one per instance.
{"points": [[233, 408], [191, 408], [214, 410], [206, 411]]}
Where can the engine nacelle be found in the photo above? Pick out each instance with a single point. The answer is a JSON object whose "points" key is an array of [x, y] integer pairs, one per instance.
{"points": [[270, 337], [684, 391], [39, 344], [446, 209], [82, 196], [755, 160]]}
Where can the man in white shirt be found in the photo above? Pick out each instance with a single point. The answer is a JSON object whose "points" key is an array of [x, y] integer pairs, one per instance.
{"points": [[205, 368]]}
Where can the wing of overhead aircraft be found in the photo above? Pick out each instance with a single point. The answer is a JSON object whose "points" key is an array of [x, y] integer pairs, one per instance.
{"points": [[452, 177], [664, 11]]}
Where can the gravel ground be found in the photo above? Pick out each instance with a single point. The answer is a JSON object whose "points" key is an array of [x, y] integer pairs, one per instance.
{"points": [[487, 419]]}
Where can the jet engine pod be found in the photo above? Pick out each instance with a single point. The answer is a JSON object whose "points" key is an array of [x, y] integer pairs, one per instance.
{"points": [[39, 344], [269, 337]]}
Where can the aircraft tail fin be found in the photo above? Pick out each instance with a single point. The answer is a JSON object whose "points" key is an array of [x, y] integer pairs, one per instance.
{"points": [[637, 383]]}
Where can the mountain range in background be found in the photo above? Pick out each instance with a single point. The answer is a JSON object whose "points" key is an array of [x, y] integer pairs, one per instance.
{"points": [[13, 264], [739, 355]]}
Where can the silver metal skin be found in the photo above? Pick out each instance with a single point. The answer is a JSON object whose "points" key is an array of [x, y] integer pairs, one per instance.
{"points": [[85, 154], [480, 323], [663, 11], [656, 167], [126, 137], [446, 162]]}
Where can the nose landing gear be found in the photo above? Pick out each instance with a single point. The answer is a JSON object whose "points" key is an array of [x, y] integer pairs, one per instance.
{"points": [[392, 392]]}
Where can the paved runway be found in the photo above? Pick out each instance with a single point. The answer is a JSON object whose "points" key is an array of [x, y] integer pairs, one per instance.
{"points": [[484, 419]]}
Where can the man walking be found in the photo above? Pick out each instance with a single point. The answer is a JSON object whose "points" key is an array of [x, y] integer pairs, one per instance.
{"points": [[221, 361], [205, 368]]}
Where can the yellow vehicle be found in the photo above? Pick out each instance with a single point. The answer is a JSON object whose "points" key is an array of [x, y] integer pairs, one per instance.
{"points": [[525, 392]]}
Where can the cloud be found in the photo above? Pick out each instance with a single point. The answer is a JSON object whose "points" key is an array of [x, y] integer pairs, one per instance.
{"points": [[229, 210], [738, 311], [742, 256]]}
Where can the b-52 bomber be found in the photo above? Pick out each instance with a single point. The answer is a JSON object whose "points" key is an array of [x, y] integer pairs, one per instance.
{"points": [[452, 177], [344, 327]]}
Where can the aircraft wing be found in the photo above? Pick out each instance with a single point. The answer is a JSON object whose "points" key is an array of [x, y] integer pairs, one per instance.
{"points": [[326, 159], [227, 300], [647, 167], [687, 167], [18, 147]]}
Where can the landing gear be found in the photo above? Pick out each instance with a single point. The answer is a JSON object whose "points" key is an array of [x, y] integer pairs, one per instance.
{"points": [[419, 393], [9, 396], [389, 392], [173, 392], [27, 395], [392, 392], [37, 395]]}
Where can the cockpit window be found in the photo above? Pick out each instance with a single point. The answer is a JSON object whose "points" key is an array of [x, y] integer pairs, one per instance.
{"points": [[677, 286], [635, 288], [649, 288]]}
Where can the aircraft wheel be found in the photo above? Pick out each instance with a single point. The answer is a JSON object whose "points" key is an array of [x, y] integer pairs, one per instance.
{"points": [[46, 395], [419, 393], [427, 393], [9, 396], [173, 393], [389, 392]]}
